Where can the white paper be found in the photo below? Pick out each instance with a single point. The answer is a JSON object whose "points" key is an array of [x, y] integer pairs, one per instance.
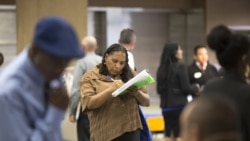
{"points": [[78, 110], [143, 75]]}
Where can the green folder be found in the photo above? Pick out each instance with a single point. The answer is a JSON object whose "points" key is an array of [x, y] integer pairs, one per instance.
{"points": [[141, 79]]}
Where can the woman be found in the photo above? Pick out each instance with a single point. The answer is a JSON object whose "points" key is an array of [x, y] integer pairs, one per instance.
{"points": [[173, 86], [233, 54], [112, 118]]}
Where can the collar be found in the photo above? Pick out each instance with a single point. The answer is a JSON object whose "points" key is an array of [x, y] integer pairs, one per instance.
{"points": [[30, 68], [97, 75], [199, 65]]}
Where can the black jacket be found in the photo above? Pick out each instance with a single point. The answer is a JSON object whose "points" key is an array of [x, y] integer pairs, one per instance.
{"points": [[177, 87], [234, 88], [209, 73]]}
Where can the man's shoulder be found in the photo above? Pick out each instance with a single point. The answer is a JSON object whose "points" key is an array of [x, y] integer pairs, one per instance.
{"points": [[16, 78], [181, 65], [192, 65], [90, 57], [209, 65], [12, 85], [98, 56], [12, 75]]}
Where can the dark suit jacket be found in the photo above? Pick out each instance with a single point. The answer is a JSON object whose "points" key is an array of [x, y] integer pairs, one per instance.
{"points": [[177, 87], [209, 73], [237, 90]]}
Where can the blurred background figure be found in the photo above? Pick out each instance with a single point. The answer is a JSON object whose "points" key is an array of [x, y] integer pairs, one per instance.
{"points": [[1, 58], [210, 119], [128, 40], [201, 70], [173, 86], [233, 53], [89, 45]]}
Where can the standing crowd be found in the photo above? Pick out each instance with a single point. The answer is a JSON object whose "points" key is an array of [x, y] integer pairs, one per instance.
{"points": [[34, 99]]}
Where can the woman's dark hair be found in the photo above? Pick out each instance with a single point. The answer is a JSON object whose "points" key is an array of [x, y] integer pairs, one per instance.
{"points": [[126, 73], [229, 47], [167, 58]]}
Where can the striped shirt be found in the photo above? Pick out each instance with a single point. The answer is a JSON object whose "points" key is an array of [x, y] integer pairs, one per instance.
{"points": [[116, 116]]}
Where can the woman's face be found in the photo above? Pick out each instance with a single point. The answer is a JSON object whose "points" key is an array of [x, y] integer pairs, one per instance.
{"points": [[179, 53], [115, 63]]}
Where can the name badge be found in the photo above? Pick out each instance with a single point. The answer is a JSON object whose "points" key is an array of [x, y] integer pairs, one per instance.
{"points": [[197, 75]]}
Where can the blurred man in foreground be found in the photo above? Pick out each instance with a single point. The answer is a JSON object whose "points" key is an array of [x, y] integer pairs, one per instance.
{"points": [[33, 99]]}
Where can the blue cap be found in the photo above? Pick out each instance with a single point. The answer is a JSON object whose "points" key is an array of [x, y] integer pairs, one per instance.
{"points": [[56, 37]]}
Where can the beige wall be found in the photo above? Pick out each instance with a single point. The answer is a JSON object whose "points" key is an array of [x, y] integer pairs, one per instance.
{"points": [[29, 12], [151, 37], [150, 3], [139, 3], [228, 12], [7, 2]]}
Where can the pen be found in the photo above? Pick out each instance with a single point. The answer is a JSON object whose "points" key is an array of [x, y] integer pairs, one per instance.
{"points": [[110, 78]]}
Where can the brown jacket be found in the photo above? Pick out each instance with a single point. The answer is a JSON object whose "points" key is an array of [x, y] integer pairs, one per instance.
{"points": [[115, 117]]}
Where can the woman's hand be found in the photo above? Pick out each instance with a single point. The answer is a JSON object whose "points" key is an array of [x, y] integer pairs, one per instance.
{"points": [[133, 91], [116, 84], [97, 100], [142, 97]]}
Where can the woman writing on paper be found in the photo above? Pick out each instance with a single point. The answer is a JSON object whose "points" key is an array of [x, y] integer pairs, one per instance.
{"points": [[112, 118], [173, 86]]}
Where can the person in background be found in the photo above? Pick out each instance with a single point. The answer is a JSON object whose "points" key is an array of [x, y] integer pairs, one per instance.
{"points": [[33, 99], [90, 60], [173, 86], [233, 53], [1, 59], [128, 39], [112, 118], [210, 119], [201, 70]]}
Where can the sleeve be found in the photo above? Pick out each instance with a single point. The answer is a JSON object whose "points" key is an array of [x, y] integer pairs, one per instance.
{"points": [[87, 89], [190, 73], [131, 61], [16, 123], [80, 69], [215, 71], [185, 85]]}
